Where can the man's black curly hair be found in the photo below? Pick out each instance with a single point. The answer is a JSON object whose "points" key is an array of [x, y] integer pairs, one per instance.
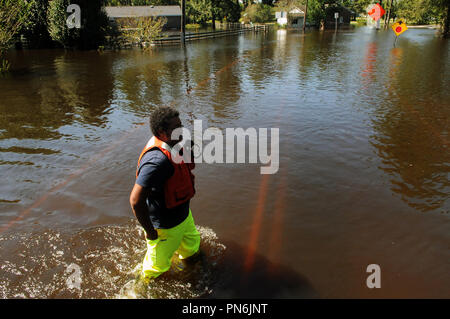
{"points": [[160, 118]]}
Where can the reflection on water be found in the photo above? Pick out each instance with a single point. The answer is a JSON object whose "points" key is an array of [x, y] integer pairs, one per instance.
{"points": [[363, 150], [36, 104], [412, 129]]}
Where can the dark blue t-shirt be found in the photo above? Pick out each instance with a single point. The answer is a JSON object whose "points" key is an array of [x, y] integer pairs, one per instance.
{"points": [[154, 170]]}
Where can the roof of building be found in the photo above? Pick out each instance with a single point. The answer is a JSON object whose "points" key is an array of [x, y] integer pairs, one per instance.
{"points": [[339, 7], [142, 11], [296, 10]]}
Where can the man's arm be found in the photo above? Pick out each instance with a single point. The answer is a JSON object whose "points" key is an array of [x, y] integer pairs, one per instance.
{"points": [[191, 165], [138, 204]]}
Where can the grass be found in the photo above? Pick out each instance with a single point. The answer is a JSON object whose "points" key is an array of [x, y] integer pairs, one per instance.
{"points": [[4, 66], [193, 26], [359, 22]]}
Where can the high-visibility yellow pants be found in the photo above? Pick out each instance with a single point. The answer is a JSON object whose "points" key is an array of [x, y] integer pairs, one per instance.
{"points": [[183, 239]]}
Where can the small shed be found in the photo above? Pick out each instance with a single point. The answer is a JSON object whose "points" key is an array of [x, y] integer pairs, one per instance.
{"points": [[293, 17], [171, 13], [344, 16]]}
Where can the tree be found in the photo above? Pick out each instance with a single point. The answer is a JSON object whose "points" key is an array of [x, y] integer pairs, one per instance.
{"points": [[13, 17], [440, 10], [226, 10], [425, 12], [412, 11], [201, 11], [142, 30], [94, 24], [259, 13], [317, 12], [387, 17], [358, 6], [36, 29], [57, 25], [198, 11], [287, 5], [141, 2]]}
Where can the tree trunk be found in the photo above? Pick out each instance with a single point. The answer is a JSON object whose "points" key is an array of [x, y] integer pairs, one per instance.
{"points": [[388, 16], [445, 32], [183, 21], [306, 13]]}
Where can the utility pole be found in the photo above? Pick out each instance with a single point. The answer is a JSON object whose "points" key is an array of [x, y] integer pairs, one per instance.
{"points": [[183, 21], [304, 19]]}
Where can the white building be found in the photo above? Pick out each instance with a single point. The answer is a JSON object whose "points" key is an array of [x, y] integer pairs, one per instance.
{"points": [[292, 18]]}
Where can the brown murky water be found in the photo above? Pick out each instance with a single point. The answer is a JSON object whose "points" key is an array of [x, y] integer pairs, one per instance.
{"points": [[363, 178]]}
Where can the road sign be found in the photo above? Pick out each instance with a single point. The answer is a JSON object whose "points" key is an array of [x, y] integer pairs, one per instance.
{"points": [[399, 27], [376, 12], [336, 15]]}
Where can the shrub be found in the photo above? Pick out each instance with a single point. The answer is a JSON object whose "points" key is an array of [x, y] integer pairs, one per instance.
{"points": [[258, 13], [94, 24], [142, 30], [13, 16], [57, 24], [36, 29]]}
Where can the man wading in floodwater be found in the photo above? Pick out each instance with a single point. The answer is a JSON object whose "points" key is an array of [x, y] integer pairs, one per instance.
{"points": [[161, 195]]}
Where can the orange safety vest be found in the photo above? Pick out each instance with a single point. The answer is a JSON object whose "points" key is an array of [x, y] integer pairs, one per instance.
{"points": [[179, 188]]}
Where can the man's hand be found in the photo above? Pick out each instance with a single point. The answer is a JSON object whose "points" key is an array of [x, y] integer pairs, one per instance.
{"points": [[152, 235], [138, 204]]}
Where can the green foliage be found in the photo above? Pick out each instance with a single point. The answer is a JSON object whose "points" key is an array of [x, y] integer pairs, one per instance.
{"points": [[57, 24], [410, 11], [13, 17], [94, 24], [198, 11], [422, 11], [36, 29], [287, 5], [201, 11], [359, 6], [425, 12], [258, 13], [142, 30], [316, 12], [227, 10], [4, 65], [141, 2], [317, 9], [193, 26]]}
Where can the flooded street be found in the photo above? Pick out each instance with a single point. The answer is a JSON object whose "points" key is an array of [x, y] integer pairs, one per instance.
{"points": [[363, 169]]}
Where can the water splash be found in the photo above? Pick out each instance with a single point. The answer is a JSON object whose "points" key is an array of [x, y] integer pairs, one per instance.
{"points": [[100, 262]]}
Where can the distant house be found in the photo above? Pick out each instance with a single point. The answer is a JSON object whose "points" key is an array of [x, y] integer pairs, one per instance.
{"points": [[292, 18], [171, 13], [345, 15]]}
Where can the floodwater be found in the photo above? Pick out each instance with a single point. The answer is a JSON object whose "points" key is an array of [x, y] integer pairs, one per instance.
{"points": [[363, 167]]}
